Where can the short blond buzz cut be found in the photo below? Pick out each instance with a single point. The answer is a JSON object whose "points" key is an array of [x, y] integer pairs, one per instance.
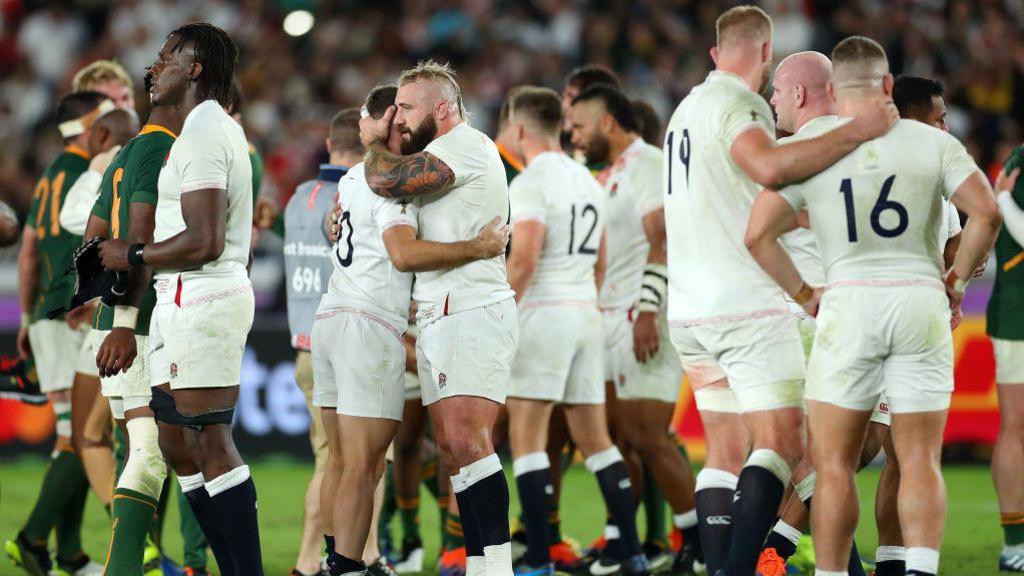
{"points": [[541, 107], [858, 62], [443, 76], [743, 23], [100, 72]]}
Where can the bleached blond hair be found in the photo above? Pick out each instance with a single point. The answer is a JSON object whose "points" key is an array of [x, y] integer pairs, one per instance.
{"points": [[443, 77], [98, 72]]}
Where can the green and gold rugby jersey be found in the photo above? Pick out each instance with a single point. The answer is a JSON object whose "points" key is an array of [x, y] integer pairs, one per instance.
{"points": [[56, 245], [257, 172], [1006, 306], [132, 177], [512, 167]]}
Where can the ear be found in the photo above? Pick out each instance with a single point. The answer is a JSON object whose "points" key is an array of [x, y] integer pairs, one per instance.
{"points": [[441, 111], [887, 84], [520, 132], [195, 71], [327, 143], [766, 51], [800, 95], [830, 89], [714, 54]]}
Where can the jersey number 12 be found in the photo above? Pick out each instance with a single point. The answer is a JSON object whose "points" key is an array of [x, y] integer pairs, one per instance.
{"points": [[583, 248]]}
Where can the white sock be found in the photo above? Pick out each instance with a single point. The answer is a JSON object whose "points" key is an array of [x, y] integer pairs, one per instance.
{"points": [[890, 553], [227, 480], [787, 532], [498, 559], [475, 566], [923, 560], [819, 572], [685, 520]]}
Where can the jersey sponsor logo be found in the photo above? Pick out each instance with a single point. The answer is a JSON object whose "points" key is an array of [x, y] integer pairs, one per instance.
{"points": [[442, 379]]}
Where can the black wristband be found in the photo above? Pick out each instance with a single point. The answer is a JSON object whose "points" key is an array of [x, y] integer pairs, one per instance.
{"points": [[135, 254]]}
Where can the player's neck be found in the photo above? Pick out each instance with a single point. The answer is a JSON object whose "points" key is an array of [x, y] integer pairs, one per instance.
{"points": [[749, 70], [535, 147], [346, 159], [808, 113], [852, 102], [169, 117], [447, 125], [618, 142]]}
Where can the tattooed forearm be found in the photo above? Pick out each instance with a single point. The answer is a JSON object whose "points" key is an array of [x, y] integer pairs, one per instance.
{"points": [[393, 176]]}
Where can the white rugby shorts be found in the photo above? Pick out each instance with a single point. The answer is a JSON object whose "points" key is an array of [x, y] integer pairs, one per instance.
{"points": [[468, 353], [197, 340], [660, 377], [762, 357], [358, 364], [1009, 360], [133, 383], [711, 391], [559, 358], [872, 340], [59, 353]]}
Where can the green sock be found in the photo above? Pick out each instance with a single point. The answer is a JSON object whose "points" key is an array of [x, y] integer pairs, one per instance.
{"points": [[388, 509], [156, 528], [453, 537], [120, 455], [69, 524], [409, 512], [133, 513], [442, 504], [62, 477], [554, 525], [192, 537], [654, 509], [428, 476]]}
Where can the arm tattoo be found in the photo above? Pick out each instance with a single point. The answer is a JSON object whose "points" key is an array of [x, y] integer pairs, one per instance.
{"points": [[394, 176]]}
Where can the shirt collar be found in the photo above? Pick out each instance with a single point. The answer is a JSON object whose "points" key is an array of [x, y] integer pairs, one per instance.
{"points": [[829, 118], [331, 172], [201, 105]]}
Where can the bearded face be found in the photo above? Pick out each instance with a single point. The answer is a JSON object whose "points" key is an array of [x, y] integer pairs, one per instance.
{"points": [[416, 139]]}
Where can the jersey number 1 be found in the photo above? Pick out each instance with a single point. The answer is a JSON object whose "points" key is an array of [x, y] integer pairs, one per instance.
{"points": [[684, 155], [882, 205]]}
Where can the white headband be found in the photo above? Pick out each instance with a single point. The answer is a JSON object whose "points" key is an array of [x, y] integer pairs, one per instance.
{"points": [[78, 126]]}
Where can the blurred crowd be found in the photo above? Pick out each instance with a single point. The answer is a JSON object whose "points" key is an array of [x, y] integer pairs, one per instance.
{"points": [[292, 85]]}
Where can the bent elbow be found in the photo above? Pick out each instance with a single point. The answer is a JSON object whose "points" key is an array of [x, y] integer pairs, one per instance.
{"points": [[401, 261], [770, 176], [212, 249], [752, 242]]}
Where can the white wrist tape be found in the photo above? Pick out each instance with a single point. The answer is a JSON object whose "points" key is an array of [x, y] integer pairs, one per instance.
{"points": [[25, 319], [654, 289], [125, 316]]}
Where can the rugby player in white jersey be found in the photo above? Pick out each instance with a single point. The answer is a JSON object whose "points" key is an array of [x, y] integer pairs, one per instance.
{"points": [[205, 302], [467, 316], [555, 267], [640, 368], [884, 325], [730, 322], [360, 388]]}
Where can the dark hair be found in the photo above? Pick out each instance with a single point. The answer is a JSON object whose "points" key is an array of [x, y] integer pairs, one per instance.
{"points": [[235, 99], [218, 54], [541, 105], [77, 104], [378, 100], [913, 95], [615, 102], [649, 125], [506, 106], [589, 74], [344, 134]]}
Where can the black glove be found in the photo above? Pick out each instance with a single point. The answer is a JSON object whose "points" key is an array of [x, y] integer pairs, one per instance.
{"points": [[91, 280]]}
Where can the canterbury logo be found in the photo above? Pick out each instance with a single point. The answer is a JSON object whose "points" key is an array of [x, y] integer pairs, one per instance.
{"points": [[736, 496], [718, 520], [624, 483]]}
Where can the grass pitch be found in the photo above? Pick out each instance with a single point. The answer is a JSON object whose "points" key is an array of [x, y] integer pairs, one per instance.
{"points": [[972, 542]]}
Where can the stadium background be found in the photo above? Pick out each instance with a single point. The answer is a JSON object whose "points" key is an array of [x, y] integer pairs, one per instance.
{"points": [[293, 84]]}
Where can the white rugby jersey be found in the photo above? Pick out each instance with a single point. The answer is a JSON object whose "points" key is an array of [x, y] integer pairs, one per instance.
{"points": [[707, 205], [480, 193], [633, 189], [878, 213], [364, 278], [560, 193], [210, 152]]}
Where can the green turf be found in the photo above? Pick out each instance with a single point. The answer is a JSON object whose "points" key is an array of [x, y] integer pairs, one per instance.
{"points": [[971, 545]]}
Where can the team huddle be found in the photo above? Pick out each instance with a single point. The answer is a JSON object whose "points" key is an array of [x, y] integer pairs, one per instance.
{"points": [[546, 290]]}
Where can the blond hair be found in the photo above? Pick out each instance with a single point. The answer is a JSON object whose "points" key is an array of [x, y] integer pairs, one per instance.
{"points": [[742, 23], [443, 77], [99, 72], [858, 62]]}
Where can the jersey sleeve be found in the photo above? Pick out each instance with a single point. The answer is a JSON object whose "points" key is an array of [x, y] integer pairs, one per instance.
{"points": [[203, 159], [463, 151], [748, 110], [526, 200], [794, 194], [101, 207], [390, 213], [957, 164], [647, 182], [952, 220], [145, 183]]}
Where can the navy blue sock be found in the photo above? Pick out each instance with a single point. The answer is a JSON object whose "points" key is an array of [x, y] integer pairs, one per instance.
{"points": [[758, 495], [202, 506], [470, 528], [344, 565], [236, 511], [489, 501], [621, 502], [891, 568], [534, 496], [714, 514], [783, 546]]}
